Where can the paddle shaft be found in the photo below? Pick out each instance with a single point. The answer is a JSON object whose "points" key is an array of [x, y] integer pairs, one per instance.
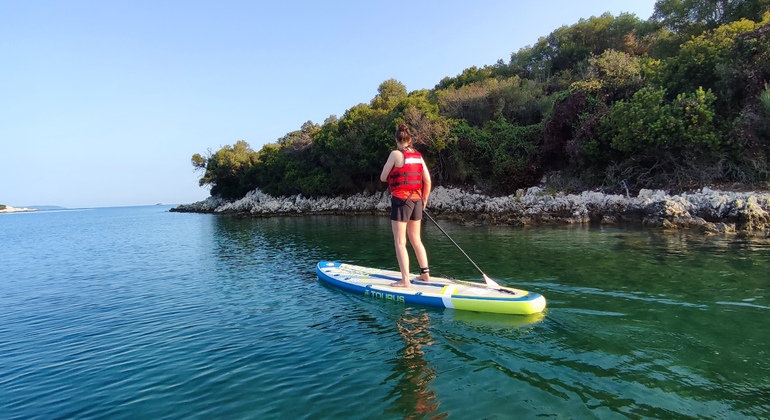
{"points": [[425, 212]]}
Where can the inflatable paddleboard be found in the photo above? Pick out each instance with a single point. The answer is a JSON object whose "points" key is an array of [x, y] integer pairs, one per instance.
{"points": [[443, 293]]}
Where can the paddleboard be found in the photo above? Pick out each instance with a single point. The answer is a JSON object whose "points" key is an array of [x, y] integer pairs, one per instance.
{"points": [[440, 292]]}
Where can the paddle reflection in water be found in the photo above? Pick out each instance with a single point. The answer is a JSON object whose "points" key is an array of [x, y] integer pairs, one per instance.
{"points": [[413, 398]]}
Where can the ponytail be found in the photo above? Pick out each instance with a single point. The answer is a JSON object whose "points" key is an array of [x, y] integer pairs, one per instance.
{"points": [[403, 136]]}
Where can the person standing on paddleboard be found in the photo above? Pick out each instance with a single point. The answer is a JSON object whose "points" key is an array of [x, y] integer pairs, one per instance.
{"points": [[409, 182]]}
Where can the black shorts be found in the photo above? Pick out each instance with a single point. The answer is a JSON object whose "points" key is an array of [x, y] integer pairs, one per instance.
{"points": [[405, 210]]}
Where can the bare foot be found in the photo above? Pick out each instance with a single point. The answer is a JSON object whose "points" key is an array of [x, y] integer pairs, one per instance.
{"points": [[400, 284], [424, 277]]}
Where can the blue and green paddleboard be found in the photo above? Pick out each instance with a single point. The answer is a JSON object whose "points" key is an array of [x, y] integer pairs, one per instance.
{"points": [[440, 292]]}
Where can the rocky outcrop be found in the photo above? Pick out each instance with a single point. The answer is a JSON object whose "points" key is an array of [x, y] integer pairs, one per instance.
{"points": [[711, 211], [10, 209]]}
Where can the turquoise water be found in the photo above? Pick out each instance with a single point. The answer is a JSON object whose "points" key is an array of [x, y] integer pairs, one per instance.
{"points": [[141, 313]]}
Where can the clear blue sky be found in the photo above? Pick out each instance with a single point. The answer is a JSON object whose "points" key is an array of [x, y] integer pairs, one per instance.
{"points": [[102, 103]]}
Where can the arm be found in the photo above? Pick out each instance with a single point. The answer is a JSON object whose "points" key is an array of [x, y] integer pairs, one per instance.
{"points": [[389, 166], [426, 184]]}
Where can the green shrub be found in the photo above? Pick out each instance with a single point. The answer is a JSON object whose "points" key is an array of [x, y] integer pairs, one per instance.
{"points": [[648, 121]]}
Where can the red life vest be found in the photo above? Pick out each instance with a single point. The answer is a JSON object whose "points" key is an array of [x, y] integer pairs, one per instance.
{"points": [[406, 180]]}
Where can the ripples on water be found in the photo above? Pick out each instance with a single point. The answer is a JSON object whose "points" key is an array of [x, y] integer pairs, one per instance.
{"points": [[142, 313]]}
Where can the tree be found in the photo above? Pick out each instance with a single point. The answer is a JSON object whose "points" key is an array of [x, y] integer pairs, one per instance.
{"points": [[701, 62], [199, 162], [468, 76], [569, 46], [389, 94], [615, 69], [468, 102], [299, 140], [691, 17], [225, 169], [678, 143], [515, 99], [532, 62], [648, 122]]}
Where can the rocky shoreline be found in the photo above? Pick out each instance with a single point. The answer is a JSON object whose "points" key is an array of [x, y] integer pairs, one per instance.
{"points": [[11, 209], [707, 210]]}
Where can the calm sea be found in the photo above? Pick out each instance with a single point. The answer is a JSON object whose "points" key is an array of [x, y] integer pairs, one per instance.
{"points": [[137, 312]]}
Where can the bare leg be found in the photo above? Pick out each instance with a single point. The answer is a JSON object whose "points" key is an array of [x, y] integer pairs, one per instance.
{"points": [[399, 239], [413, 230]]}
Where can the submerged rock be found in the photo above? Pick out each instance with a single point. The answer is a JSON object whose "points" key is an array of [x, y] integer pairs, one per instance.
{"points": [[708, 210]]}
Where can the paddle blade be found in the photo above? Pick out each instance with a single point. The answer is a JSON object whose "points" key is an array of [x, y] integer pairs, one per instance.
{"points": [[490, 282]]}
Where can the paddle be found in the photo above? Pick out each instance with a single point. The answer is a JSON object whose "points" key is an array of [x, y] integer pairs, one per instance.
{"points": [[490, 283]]}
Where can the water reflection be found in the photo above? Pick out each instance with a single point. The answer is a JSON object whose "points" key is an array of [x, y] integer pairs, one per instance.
{"points": [[496, 321], [412, 396]]}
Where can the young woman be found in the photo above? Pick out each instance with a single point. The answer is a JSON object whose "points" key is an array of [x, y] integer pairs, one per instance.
{"points": [[408, 179]]}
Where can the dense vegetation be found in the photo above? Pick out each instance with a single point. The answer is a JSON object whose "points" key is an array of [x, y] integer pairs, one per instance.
{"points": [[614, 102]]}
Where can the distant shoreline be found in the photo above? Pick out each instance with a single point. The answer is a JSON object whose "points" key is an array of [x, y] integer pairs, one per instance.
{"points": [[745, 213], [11, 209]]}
